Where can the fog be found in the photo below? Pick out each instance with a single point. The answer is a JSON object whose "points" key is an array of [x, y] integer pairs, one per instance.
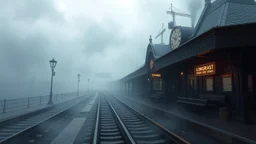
{"points": [[84, 37]]}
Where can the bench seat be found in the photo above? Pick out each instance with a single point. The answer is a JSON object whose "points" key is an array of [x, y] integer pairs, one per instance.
{"points": [[193, 101], [215, 99], [157, 95]]}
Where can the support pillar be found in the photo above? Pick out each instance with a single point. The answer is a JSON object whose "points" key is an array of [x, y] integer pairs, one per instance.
{"points": [[242, 99]]}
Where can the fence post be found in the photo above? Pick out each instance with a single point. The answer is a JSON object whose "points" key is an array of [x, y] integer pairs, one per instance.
{"points": [[40, 100], [28, 102], [4, 108]]}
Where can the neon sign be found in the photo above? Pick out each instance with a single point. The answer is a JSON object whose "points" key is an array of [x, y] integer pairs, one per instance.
{"points": [[205, 69]]}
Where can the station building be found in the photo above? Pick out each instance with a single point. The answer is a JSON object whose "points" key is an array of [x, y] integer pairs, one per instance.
{"points": [[213, 61]]}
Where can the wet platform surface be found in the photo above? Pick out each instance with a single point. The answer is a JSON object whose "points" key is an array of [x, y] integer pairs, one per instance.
{"points": [[87, 108], [231, 128], [11, 114], [70, 132]]}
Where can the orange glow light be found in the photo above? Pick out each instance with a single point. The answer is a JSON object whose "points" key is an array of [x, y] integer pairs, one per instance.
{"points": [[156, 75]]}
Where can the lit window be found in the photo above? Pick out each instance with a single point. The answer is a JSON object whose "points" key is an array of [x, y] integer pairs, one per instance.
{"points": [[209, 84], [227, 83]]}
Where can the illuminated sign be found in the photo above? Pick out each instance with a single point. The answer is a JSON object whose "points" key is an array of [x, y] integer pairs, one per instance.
{"points": [[155, 75], [205, 69]]}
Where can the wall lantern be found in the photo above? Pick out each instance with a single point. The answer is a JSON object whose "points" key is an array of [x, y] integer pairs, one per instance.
{"points": [[181, 73], [155, 75]]}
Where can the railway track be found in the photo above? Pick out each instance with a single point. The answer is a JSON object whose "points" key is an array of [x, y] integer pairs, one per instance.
{"points": [[108, 122], [17, 128], [117, 123]]}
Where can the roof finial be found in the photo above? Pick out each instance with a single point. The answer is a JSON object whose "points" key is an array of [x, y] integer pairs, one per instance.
{"points": [[150, 39]]}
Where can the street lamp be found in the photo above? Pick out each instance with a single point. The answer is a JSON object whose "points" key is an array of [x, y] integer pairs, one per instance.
{"points": [[52, 65], [78, 80], [88, 84]]}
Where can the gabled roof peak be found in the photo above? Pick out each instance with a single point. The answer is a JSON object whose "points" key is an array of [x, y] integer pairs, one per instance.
{"points": [[150, 39]]}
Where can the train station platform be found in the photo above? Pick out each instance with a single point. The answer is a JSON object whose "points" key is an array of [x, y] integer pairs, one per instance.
{"points": [[210, 121], [24, 110], [12, 114]]}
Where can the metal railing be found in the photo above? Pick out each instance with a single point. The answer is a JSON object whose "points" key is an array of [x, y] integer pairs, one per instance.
{"points": [[8, 105]]}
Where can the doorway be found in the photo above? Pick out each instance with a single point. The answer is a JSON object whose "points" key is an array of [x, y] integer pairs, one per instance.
{"points": [[192, 87]]}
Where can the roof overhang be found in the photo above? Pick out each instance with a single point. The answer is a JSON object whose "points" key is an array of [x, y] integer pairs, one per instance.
{"points": [[135, 74], [219, 37]]}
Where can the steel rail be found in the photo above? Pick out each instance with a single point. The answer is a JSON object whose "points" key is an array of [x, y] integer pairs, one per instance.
{"points": [[130, 138], [177, 139], [95, 137]]}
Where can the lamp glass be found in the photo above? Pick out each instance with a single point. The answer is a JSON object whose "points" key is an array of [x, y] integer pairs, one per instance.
{"points": [[53, 63]]}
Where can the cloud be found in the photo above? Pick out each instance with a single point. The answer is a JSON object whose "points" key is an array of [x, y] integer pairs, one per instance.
{"points": [[194, 7], [27, 10], [24, 47], [84, 37], [101, 36], [21, 56]]}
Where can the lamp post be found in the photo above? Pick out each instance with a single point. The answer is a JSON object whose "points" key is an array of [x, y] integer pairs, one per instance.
{"points": [[52, 65], [78, 80], [92, 86], [88, 84]]}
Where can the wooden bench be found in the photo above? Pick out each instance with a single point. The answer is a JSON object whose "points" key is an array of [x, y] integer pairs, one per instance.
{"points": [[214, 99], [193, 101]]}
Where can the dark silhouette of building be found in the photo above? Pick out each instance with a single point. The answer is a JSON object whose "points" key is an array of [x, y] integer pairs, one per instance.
{"points": [[213, 61]]}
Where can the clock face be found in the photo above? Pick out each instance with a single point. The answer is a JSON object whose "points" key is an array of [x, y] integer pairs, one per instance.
{"points": [[175, 38]]}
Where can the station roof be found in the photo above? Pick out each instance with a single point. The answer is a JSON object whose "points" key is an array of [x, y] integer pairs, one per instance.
{"points": [[224, 13], [160, 50], [219, 37], [221, 13]]}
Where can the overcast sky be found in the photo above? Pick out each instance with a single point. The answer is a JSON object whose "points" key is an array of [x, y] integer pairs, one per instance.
{"points": [[84, 36]]}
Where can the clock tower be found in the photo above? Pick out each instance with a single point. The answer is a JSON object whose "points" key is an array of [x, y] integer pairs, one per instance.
{"points": [[179, 35]]}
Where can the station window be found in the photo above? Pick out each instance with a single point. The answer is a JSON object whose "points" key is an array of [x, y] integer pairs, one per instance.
{"points": [[157, 84], [209, 83], [250, 84], [227, 83], [192, 82]]}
